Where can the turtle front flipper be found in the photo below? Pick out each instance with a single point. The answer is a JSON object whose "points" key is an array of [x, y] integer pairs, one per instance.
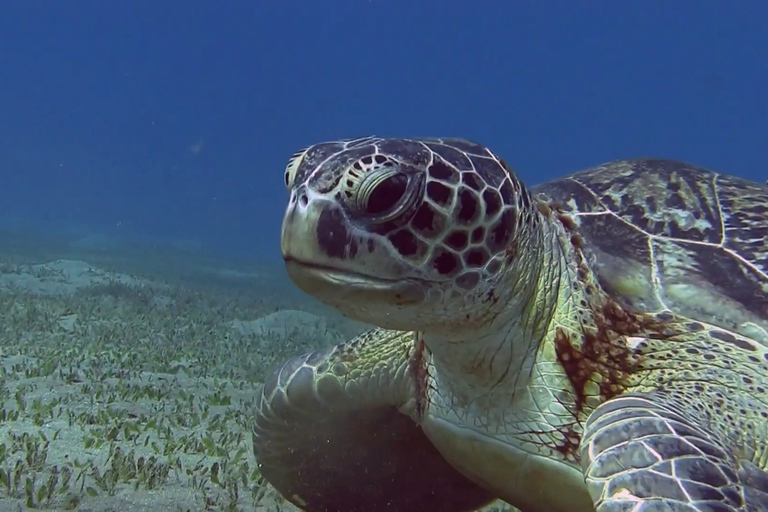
{"points": [[651, 452], [329, 435]]}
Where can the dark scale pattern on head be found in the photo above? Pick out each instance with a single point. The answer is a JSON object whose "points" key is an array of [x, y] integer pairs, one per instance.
{"points": [[472, 181], [449, 204], [449, 154], [441, 194], [502, 231], [333, 237], [488, 170], [314, 156], [406, 243], [482, 197], [469, 207], [445, 262], [439, 170], [508, 193], [476, 257], [427, 222], [418, 155], [329, 176], [492, 202], [458, 240], [468, 147]]}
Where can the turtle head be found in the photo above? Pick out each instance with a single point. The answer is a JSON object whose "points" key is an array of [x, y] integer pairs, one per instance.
{"points": [[409, 234]]}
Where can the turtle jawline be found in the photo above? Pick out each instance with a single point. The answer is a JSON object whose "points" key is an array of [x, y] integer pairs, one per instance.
{"points": [[334, 274], [341, 288]]}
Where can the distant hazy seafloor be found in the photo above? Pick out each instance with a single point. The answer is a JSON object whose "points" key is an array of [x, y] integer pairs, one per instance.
{"points": [[130, 373]]}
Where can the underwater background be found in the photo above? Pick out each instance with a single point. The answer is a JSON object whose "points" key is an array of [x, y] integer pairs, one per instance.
{"points": [[175, 119], [142, 150]]}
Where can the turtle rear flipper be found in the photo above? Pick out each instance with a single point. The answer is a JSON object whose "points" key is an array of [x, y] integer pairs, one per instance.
{"points": [[648, 452], [329, 435]]}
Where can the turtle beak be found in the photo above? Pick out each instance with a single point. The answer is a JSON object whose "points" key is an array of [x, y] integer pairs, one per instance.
{"points": [[316, 230], [298, 238], [324, 256]]}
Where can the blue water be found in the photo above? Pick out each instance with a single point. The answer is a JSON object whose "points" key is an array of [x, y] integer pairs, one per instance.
{"points": [[175, 119]]}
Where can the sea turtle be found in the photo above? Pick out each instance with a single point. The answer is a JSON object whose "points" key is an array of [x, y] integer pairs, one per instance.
{"points": [[598, 342]]}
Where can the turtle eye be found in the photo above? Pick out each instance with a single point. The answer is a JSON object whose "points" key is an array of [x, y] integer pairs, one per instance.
{"points": [[383, 194], [380, 194], [377, 188]]}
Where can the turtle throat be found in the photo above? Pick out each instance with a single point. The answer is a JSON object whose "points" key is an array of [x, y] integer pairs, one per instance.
{"points": [[499, 350]]}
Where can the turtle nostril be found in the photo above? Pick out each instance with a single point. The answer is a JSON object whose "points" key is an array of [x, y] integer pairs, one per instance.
{"points": [[303, 200]]}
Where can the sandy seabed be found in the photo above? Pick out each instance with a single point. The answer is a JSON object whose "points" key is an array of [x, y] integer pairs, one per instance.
{"points": [[129, 378]]}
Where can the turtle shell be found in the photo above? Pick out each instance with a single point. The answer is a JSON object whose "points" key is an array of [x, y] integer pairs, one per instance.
{"points": [[663, 235]]}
